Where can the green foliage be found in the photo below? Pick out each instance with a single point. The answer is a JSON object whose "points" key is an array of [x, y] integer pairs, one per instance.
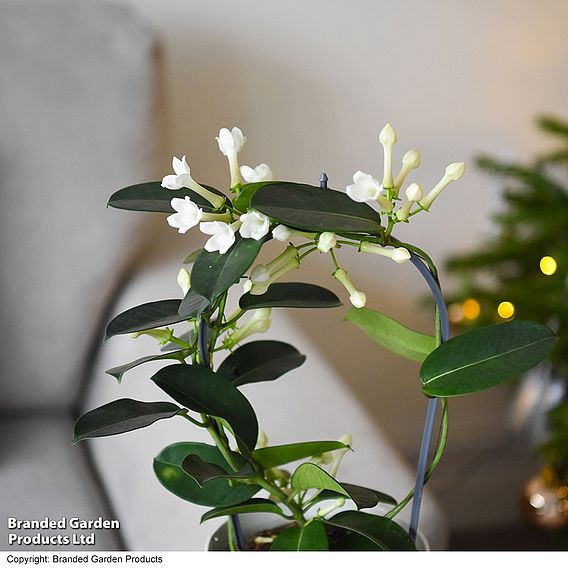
{"points": [[310, 537], [260, 361], [204, 391], [274, 456], [122, 415], [250, 506], [485, 357], [391, 334], [291, 295], [313, 209], [217, 493], [193, 305]]}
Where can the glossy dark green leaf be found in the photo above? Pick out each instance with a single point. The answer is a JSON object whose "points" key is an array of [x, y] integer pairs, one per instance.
{"points": [[118, 372], [385, 533], [242, 202], [204, 391], [260, 361], [119, 416], [204, 472], [214, 273], [291, 295], [312, 476], [363, 497], [314, 209], [217, 493], [151, 196], [485, 357], [145, 316], [391, 334], [193, 305], [256, 505], [312, 536], [274, 456]]}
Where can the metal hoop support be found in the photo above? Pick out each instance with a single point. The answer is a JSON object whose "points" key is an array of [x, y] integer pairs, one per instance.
{"points": [[432, 402]]}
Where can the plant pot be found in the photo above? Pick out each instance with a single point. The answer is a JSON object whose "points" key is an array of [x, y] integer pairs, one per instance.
{"points": [[253, 523]]}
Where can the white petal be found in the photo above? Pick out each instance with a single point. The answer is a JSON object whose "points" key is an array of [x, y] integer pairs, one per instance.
{"points": [[238, 138], [282, 233], [362, 193], [171, 182], [225, 141], [177, 222], [178, 166], [254, 225], [264, 173], [211, 227], [249, 174]]}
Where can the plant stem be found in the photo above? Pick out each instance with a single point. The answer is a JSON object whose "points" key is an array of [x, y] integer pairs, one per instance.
{"points": [[282, 498], [192, 420], [223, 446]]}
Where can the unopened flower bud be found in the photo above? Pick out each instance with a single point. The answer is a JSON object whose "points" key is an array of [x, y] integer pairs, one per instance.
{"points": [[410, 161], [357, 298], [327, 241], [387, 137], [183, 280], [453, 172], [399, 254], [414, 193]]}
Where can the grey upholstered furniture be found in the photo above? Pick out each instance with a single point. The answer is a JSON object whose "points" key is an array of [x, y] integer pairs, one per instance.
{"points": [[76, 93]]}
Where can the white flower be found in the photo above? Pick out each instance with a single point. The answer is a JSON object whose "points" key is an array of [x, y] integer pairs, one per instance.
{"points": [[414, 192], [453, 172], [282, 233], [231, 143], [365, 188], [188, 214], [357, 298], [182, 176], [327, 241], [410, 161], [183, 280], [262, 172], [255, 225], [387, 138], [399, 254], [223, 236]]}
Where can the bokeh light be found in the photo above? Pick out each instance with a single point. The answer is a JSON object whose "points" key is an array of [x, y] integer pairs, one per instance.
{"points": [[548, 265], [471, 309], [506, 310]]}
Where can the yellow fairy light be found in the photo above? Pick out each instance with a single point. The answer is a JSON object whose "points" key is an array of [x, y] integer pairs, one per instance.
{"points": [[548, 265], [506, 310], [471, 309]]}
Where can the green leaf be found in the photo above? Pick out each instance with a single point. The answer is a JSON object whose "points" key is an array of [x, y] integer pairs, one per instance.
{"points": [[311, 476], [151, 196], [386, 534], [274, 456], [260, 361], [391, 334], [242, 202], [251, 506], [145, 316], [217, 493], [314, 209], [363, 497], [312, 536], [193, 305], [291, 295], [119, 416], [204, 472], [214, 273], [192, 256], [485, 357], [118, 372], [204, 391]]}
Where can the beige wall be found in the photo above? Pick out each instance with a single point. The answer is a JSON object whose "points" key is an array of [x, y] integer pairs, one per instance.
{"points": [[311, 83]]}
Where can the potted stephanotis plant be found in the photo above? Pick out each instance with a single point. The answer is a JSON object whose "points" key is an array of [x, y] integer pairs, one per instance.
{"points": [[239, 473]]}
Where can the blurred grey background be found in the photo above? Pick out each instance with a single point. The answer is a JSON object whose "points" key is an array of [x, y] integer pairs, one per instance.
{"points": [[98, 95]]}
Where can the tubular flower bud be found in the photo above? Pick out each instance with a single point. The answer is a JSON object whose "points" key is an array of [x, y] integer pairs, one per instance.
{"points": [[183, 280], [399, 254], [387, 138], [284, 234], [453, 172], [276, 272], [357, 298], [338, 454], [414, 193], [259, 323], [231, 142], [410, 161], [182, 178], [326, 241]]}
